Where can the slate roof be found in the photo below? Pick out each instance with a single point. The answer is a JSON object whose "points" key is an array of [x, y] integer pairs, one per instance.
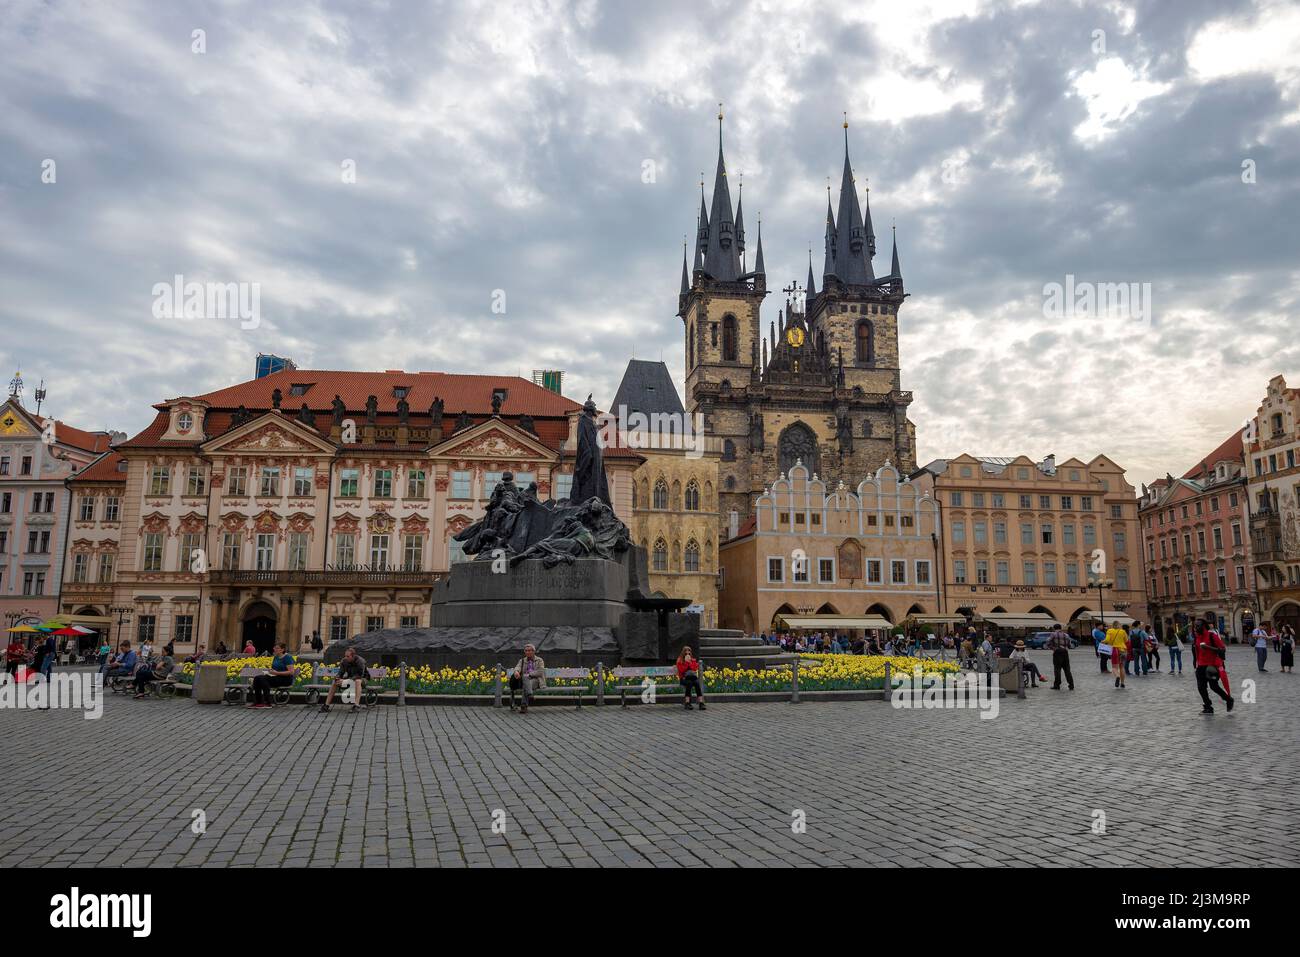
{"points": [[647, 387]]}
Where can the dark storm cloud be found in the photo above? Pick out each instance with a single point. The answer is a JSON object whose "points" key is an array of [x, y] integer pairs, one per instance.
{"points": [[552, 152]]}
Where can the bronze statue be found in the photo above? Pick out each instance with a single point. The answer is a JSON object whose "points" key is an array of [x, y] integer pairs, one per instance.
{"points": [[589, 469], [372, 408], [339, 409]]}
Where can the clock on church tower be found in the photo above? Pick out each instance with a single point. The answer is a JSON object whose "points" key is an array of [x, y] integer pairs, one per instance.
{"points": [[795, 336]]}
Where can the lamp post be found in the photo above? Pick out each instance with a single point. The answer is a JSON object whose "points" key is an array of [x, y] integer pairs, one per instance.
{"points": [[123, 613], [1101, 585]]}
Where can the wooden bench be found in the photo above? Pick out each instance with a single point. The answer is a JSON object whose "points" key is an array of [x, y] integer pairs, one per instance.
{"points": [[323, 680], [579, 690], [165, 687], [649, 678]]}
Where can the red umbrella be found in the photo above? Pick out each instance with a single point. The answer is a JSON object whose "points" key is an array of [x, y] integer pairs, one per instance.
{"points": [[72, 632]]}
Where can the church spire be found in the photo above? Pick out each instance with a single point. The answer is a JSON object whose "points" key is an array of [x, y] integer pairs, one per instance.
{"points": [[722, 258], [829, 268], [854, 244], [702, 229], [895, 274], [812, 289], [758, 256], [686, 284]]}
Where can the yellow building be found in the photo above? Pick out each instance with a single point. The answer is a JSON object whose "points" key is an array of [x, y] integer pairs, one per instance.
{"points": [[1032, 538], [674, 491]]}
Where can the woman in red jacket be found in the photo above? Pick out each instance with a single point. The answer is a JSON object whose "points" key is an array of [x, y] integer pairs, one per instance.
{"points": [[1209, 654], [688, 672]]}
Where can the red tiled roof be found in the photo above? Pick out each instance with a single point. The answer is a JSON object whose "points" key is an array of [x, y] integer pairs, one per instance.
{"points": [[103, 469], [78, 438], [1232, 447], [472, 393]]}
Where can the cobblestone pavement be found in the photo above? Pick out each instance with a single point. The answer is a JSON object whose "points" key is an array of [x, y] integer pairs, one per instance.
{"points": [[664, 787]]}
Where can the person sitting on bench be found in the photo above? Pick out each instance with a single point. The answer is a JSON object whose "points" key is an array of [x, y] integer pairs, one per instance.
{"points": [[282, 667], [153, 671], [529, 675], [123, 664], [351, 668], [688, 673], [1019, 654]]}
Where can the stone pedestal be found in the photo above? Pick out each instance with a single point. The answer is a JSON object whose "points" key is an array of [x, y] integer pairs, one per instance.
{"points": [[209, 683]]}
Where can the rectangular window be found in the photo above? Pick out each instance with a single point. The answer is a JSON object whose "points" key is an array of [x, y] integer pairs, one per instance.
{"points": [[1121, 542], [378, 552], [959, 571], [304, 478], [145, 629], [413, 553], [1003, 570], [1067, 534], [776, 569], [1072, 574], [265, 552], [86, 508], [1049, 573], [1217, 533], [153, 552], [26, 468], [999, 533], [237, 480], [230, 549], [999, 500], [1026, 501], [4, 465], [160, 478], [348, 480], [270, 486], [1090, 535], [339, 628], [112, 506], [80, 567], [455, 552], [415, 484], [923, 571], [298, 545], [196, 482], [107, 563], [873, 571], [1026, 533], [183, 630], [525, 479], [460, 484], [898, 572], [1117, 511], [345, 555], [1031, 573], [383, 483], [826, 570], [374, 622], [1241, 577], [563, 485], [955, 499], [1045, 502], [1067, 503], [1222, 580], [1085, 503], [977, 499], [410, 621], [1121, 578], [959, 533], [490, 481], [981, 572], [1047, 534], [34, 583], [981, 533], [799, 569], [1236, 534], [191, 542]]}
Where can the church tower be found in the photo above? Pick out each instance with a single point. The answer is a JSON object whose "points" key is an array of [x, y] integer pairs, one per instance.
{"points": [[823, 388]]}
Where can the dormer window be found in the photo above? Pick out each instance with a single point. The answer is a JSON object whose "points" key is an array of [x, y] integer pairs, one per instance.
{"points": [[499, 395], [184, 422], [299, 388], [401, 391]]}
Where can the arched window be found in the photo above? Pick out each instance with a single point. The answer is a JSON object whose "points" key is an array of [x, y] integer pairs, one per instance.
{"points": [[728, 450], [866, 341], [690, 347], [692, 496], [729, 338], [634, 505], [692, 556], [661, 494], [661, 555]]}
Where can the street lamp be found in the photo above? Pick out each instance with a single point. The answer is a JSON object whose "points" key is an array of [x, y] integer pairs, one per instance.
{"points": [[1101, 585], [123, 613]]}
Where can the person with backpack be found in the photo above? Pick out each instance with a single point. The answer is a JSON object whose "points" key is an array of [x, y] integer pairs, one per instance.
{"points": [[1175, 645], [1209, 655], [1102, 649], [1117, 642]]}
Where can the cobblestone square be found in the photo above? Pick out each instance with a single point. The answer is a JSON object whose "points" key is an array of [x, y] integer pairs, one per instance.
{"points": [[659, 786]]}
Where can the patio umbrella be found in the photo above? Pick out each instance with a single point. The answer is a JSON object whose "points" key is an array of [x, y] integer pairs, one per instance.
{"points": [[67, 631], [25, 629], [83, 630]]}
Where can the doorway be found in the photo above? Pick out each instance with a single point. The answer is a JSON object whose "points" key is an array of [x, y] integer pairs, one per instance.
{"points": [[259, 627]]}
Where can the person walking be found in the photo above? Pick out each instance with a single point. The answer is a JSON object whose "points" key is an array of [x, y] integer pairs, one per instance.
{"points": [[1286, 648], [1099, 644], [1208, 655], [1138, 649], [1117, 641], [1261, 648], [1175, 646], [1059, 643]]}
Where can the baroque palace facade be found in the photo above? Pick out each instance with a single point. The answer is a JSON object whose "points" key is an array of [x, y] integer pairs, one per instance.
{"points": [[307, 501], [1272, 464], [823, 385]]}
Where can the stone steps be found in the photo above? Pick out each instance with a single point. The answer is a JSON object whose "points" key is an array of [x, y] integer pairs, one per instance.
{"points": [[729, 648]]}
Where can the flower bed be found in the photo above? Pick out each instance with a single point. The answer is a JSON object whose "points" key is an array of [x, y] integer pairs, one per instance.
{"points": [[829, 673]]}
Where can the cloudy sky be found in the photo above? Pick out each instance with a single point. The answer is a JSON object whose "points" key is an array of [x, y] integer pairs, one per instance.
{"points": [[551, 152]]}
